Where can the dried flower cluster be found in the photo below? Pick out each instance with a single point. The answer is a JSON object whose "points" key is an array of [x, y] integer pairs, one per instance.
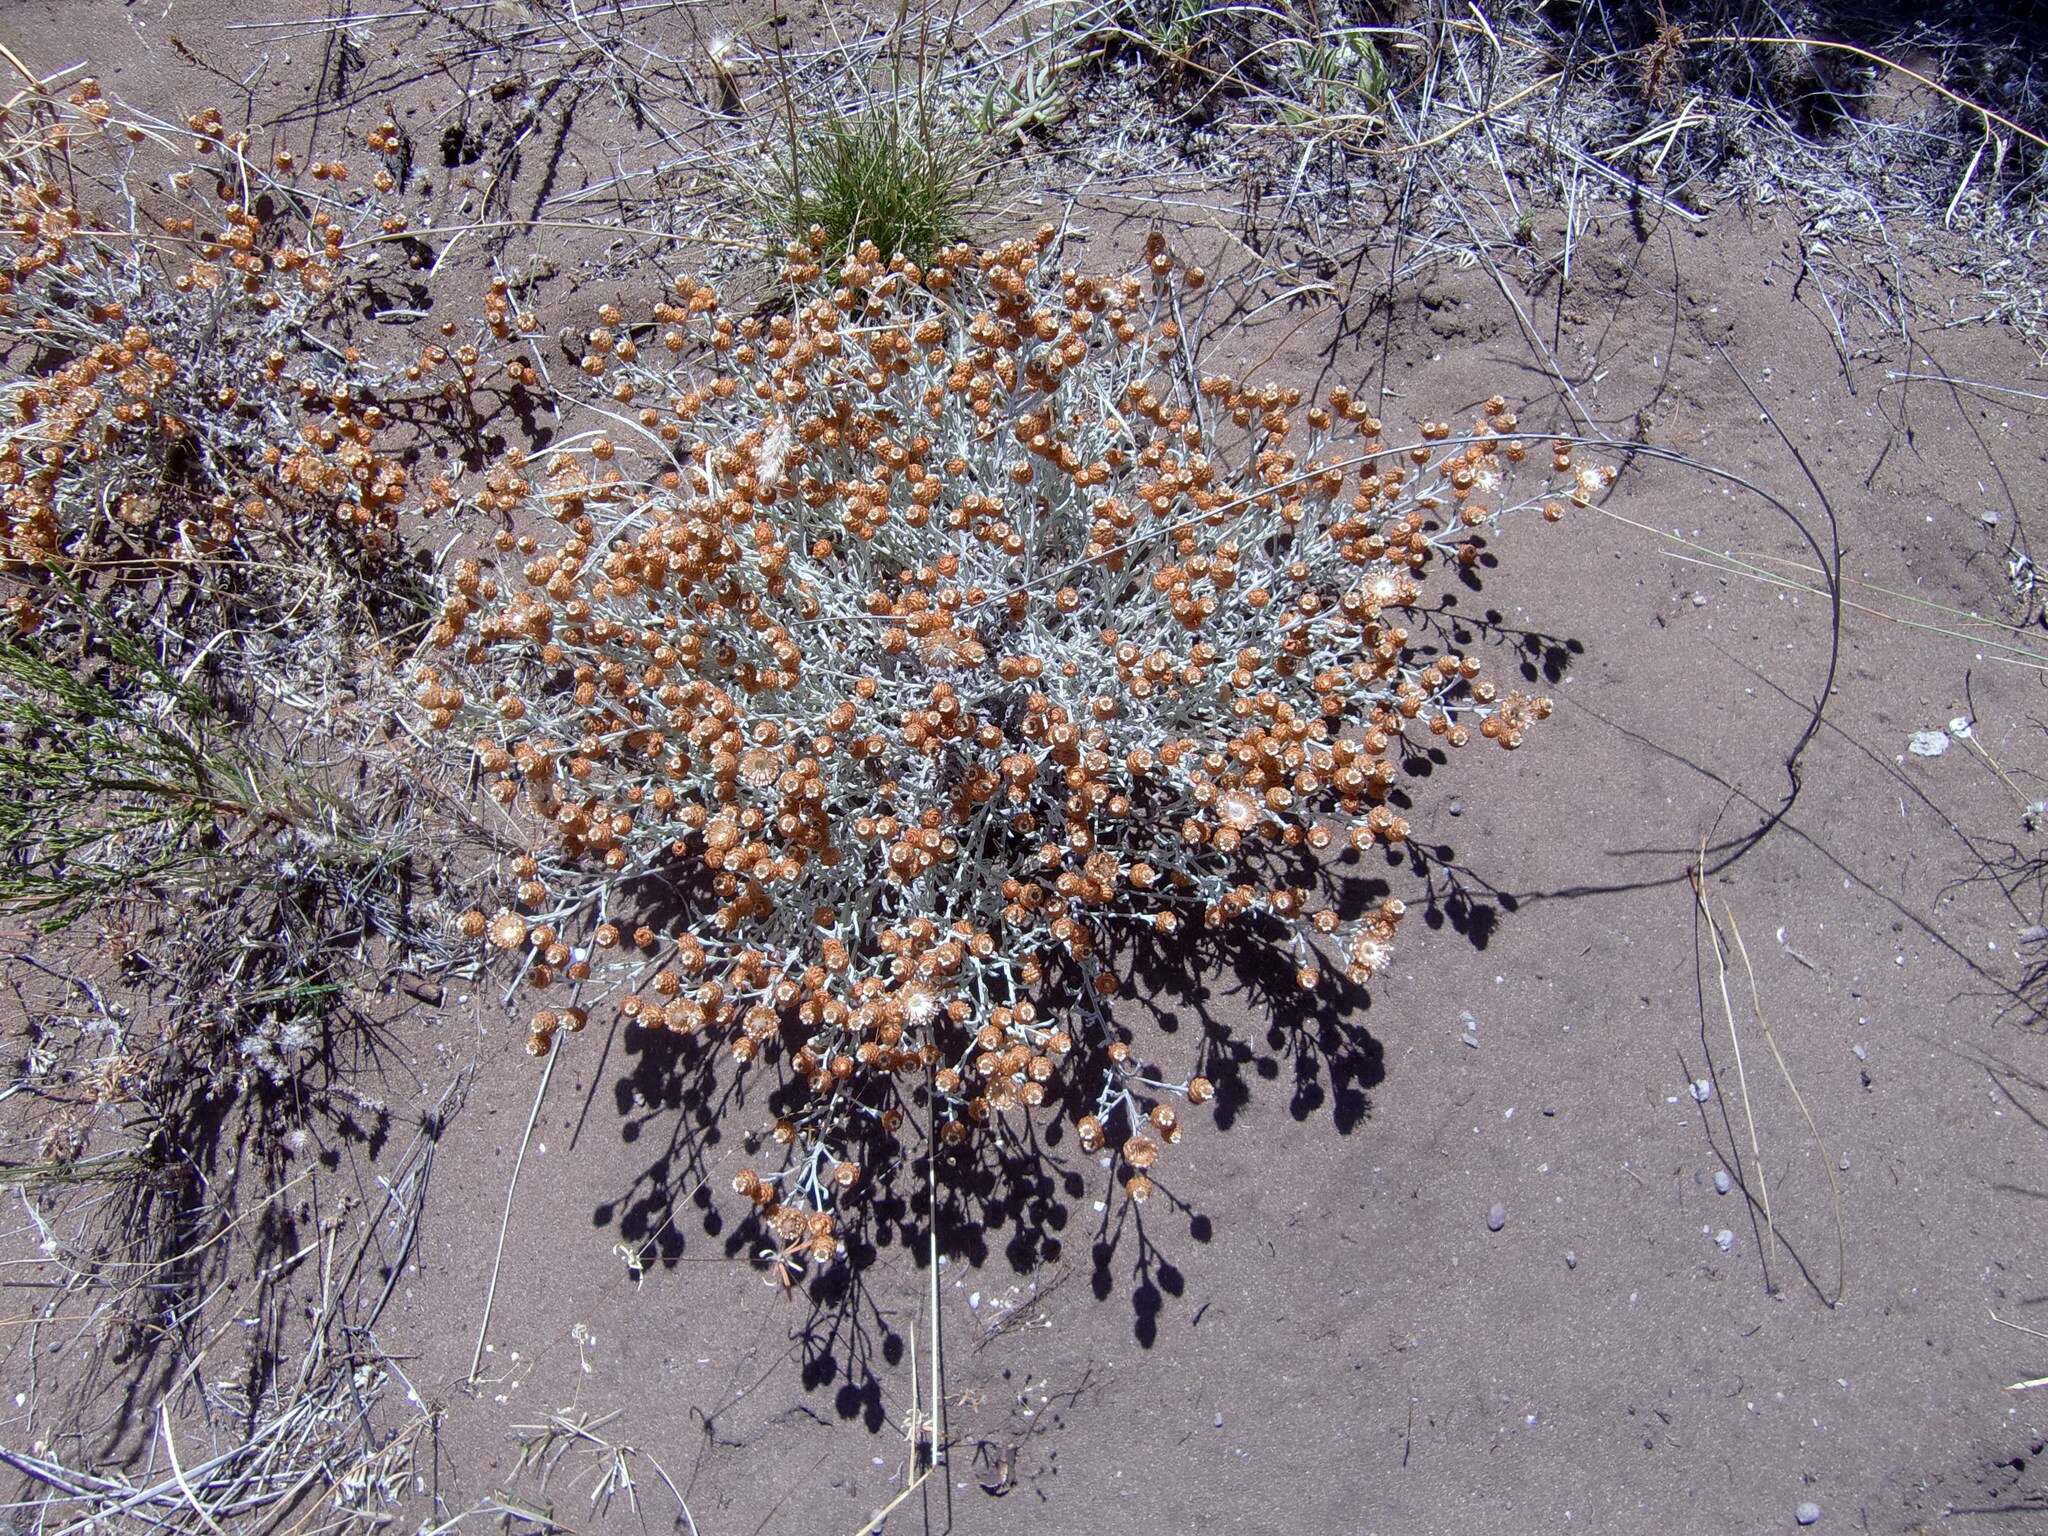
{"points": [[942, 627], [184, 396]]}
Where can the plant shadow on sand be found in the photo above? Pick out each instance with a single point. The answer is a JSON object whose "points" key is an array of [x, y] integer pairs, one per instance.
{"points": [[1221, 999]]}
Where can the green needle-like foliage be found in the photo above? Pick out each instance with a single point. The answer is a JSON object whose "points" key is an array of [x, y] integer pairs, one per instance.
{"points": [[112, 777], [886, 176]]}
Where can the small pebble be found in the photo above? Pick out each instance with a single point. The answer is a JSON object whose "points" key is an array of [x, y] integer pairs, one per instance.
{"points": [[1702, 1090], [1861, 1053], [1456, 808], [1571, 1260], [1927, 743], [1496, 1218], [1722, 1183], [1724, 1240], [1807, 1514]]}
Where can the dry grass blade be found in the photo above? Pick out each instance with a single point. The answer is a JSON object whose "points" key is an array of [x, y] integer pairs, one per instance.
{"points": [[938, 1420], [1784, 1070], [308, 1452], [1756, 1155], [876, 1520], [1827, 1162], [483, 1328], [1985, 114], [932, 1422], [184, 1483], [2032, 1333]]}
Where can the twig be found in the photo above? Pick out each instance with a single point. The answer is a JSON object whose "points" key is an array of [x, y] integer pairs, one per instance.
{"points": [[1897, 375]]}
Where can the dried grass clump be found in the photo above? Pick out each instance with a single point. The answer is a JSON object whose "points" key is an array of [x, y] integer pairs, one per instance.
{"points": [[945, 634]]}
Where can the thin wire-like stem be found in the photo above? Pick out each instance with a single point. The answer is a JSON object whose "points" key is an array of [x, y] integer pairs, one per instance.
{"points": [[540, 1092]]}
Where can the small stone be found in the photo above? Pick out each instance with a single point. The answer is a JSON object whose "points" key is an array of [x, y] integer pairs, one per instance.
{"points": [[1724, 1240], [421, 987], [1571, 1260], [1722, 1183], [1861, 1053], [1456, 808], [1927, 743], [1496, 1218], [1702, 1090], [1807, 1513], [1988, 518]]}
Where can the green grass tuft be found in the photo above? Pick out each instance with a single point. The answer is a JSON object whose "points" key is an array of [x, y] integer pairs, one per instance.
{"points": [[119, 777], [904, 184]]}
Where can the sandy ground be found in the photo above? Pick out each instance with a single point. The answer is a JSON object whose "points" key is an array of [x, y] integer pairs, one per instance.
{"points": [[1316, 1329]]}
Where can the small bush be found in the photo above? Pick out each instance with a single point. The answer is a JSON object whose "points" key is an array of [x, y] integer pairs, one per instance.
{"points": [[1342, 74], [183, 417], [942, 636]]}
